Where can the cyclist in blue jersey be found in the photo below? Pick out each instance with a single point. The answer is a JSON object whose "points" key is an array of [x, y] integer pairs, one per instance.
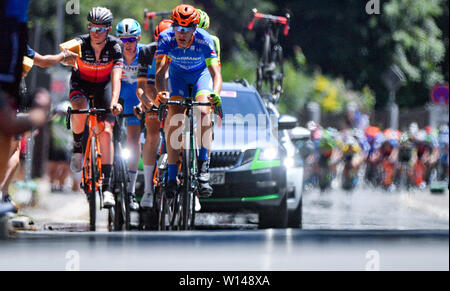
{"points": [[193, 61], [129, 32]]}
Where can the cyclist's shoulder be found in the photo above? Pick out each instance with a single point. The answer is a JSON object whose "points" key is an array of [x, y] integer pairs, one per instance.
{"points": [[83, 39], [147, 52], [203, 32], [147, 48], [203, 35], [215, 38], [113, 39], [114, 42], [167, 35]]}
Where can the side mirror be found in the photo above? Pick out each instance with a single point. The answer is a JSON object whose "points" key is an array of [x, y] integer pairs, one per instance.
{"points": [[287, 122]]}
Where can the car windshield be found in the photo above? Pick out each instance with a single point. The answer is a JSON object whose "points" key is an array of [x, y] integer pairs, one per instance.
{"points": [[243, 107], [244, 103], [245, 120]]}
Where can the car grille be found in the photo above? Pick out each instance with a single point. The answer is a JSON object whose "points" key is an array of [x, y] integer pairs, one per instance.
{"points": [[224, 159]]}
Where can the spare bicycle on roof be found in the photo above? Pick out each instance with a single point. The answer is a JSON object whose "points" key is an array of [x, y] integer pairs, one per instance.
{"points": [[270, 68]]}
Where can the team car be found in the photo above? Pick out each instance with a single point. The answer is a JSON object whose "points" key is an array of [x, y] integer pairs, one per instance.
{"points": [[255, 167]]}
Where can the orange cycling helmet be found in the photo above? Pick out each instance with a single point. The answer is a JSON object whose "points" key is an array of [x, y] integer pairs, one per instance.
{"points": [[163, 25], [372, 131], [185, 15]]}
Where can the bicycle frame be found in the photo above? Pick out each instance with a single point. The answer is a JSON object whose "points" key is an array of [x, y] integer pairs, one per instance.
{"points": [[270, 69], [93, 132], [90, 181]]}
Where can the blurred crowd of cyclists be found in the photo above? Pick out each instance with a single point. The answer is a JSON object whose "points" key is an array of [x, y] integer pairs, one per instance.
{"points": [[386, 158]]}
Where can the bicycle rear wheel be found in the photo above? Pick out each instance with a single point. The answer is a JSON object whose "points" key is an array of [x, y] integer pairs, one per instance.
{"points": [[162, 210]]}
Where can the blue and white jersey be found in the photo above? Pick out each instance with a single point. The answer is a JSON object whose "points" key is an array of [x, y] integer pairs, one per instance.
{"points": [[130, 71], [196, 57], [140, 67]]}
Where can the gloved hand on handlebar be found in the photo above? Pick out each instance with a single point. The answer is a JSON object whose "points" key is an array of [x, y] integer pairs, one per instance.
{"points": [[162, 98], [215, 99], [138, 110]]}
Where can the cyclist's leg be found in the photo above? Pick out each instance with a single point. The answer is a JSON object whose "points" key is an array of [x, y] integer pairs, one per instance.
{"points": [[174, 123], [150, 148], [133, 143], [78, 100], [128, 93], [11, 167], [149, 157], [106, 122], [204, 88]]}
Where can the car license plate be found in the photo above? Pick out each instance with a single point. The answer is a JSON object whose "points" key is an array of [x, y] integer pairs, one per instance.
{"points": [[217, 178]]}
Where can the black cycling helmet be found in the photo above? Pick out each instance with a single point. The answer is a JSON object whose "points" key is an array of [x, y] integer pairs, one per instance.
{"points": [[100, 16]]}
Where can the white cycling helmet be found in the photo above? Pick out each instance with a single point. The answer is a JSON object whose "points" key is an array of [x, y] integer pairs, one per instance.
{"points": [[413, 129]]}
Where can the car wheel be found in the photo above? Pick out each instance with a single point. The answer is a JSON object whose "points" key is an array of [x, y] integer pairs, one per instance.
{"points": [[274, 217], [4, 227], [295, 216]]}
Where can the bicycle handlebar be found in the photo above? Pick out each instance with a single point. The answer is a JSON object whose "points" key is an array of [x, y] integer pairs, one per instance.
{"points": [[275, 19], [92, 111], [186, 103]]}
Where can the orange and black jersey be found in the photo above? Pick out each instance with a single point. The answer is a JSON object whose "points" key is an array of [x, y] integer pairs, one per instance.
{"points": [[95, 71]]}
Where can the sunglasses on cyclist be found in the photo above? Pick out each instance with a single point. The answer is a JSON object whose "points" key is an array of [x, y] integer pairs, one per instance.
{"points": [[98, 29], [129, 39], [184, 29]]}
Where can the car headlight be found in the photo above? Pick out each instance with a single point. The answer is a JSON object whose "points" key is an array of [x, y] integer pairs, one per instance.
{"points": [[269, 154], [126, 154], [289, 162]]}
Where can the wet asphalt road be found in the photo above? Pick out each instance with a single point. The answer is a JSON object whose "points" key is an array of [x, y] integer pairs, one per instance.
{"points": [[364, 229]]}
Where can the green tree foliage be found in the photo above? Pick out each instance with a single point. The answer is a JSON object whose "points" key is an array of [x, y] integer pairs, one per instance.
{"points": [[341, 38], [334, 37]]}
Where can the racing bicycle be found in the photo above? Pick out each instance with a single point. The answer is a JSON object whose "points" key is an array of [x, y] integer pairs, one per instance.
{"points": [[91, 179], [92, 176], [270, 68], [184, 202]]}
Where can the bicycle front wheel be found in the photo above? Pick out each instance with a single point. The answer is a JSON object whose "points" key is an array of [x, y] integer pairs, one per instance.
{"points": [[186, 190], [93, 189], [121, 175]]}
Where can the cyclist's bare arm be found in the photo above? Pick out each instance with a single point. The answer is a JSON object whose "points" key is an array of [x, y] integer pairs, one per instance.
{"points": [[216, 75], [46, 61], [162, 67], [148, 94], [116, 76]]}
